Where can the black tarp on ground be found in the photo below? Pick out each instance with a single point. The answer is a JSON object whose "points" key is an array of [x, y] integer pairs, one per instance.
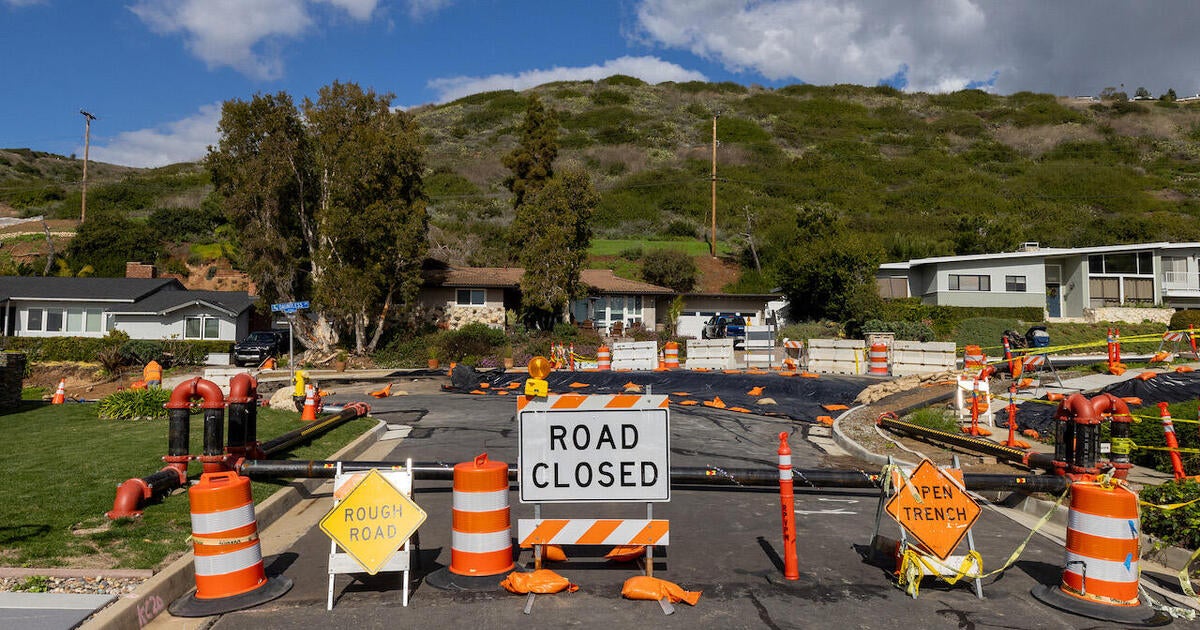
{"points": [[795, 397], [1170, 387]]}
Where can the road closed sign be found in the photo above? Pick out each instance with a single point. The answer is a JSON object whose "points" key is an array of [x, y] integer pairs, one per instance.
{"points": [[577, 448], [933, 507]]}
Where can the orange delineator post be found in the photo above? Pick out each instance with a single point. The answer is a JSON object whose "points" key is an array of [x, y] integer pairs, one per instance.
{"points": [[1014, 364], [1012, 441], [787, 499], [480, 529], [60, 396], [1172, 441]]}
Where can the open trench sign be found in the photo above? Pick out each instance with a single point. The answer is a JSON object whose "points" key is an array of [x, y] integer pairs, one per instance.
{"points": [[934, 508]]}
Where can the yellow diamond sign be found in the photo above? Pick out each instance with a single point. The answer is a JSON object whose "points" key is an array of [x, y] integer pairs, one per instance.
{"points": [[373, 521]]}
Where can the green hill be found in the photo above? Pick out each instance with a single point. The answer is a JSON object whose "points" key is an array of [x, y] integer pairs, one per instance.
{"points": [[924, 174]]}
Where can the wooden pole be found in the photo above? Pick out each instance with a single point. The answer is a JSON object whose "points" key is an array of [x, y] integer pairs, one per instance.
{"points": [[713, 241], [87, 138]]}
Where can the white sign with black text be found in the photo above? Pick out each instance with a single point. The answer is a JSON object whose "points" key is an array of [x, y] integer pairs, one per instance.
{"points": [[595, 448]]}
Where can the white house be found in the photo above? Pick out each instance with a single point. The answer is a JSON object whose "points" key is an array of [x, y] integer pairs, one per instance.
{"points": [[145, 308], [1067, 283]]}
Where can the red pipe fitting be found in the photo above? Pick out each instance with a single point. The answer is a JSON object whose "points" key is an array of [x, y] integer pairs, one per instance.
{"points": [[182, 395], [129, 496], [179, 464], [243, 388]]}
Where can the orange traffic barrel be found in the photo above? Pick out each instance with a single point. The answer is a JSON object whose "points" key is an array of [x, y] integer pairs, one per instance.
{"points": [[878, 359], [671, 355], [480, 527], [603, 359], [228, 557], [1100, 572], [973, 357]]}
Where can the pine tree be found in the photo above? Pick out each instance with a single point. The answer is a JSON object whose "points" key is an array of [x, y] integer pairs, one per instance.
{"points": [[532, 162]]}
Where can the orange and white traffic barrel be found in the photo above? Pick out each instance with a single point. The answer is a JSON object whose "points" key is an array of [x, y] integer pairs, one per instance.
{"points": [[1100, 572], [973, 357], [878, 359], [228, 557], [603, 359], [671, 355], [480, 527]]}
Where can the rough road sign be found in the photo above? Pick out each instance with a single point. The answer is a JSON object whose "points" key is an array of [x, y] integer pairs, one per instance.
{"points": [[577, 448], [373, 521], [934, 509]]}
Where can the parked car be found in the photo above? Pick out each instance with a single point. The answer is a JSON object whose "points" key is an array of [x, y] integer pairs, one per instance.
{"points": [[259, 345], [725, 327]]}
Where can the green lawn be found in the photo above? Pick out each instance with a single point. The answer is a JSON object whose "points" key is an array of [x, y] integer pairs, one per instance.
{"points": [[63, 465], [613, 247]]}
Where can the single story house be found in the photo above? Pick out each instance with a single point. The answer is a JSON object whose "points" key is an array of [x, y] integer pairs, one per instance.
{"points": [[144, 308], [1067, 283], [700, 307]]}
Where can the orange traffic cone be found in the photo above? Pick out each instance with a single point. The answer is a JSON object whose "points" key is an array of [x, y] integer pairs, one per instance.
{"points": [[383, 393], [60, 396], [267, 364], [310, 405]]}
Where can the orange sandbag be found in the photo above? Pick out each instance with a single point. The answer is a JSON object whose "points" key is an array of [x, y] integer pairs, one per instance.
{"points": [[1031, 433], [680, 394], [715, 402], [554, 553], [1132, 400], [632, 387], [834, 407], [626, 553], [1183, 368], [1055, 396], [688, 403], [1159, 357], [755, 391], [654, 589], [577, 385], [809, 375], [825, 420], [1145, 376], [542, 581], [138, 385], [1024, 383]]}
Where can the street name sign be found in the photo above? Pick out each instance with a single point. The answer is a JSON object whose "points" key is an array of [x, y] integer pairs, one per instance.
{"points": [[289, 307], [373, 521], [934, 508], [606, 448]]}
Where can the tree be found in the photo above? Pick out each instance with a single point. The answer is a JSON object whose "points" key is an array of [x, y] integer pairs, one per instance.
{"points": [[1141, 93], [532, 162], [975, 234], [106, 241], [670, 268], [1169, 96], [829, 271], [555, 224], [371, 213]]}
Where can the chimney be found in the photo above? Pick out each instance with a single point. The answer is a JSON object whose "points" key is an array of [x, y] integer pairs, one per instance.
{"points": [[1030, 246], [139, 270]]}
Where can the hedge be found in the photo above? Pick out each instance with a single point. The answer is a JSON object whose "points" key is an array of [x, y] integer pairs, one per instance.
{"points": [[944, 319], [86, 349]]}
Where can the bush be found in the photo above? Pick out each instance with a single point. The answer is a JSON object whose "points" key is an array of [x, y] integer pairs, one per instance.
{"points": [[135, 404], [670, 268], [1184, 318], [472, 341], [907, 331], [934, 418], [141, 351], [812, 330], [1180, 527]]}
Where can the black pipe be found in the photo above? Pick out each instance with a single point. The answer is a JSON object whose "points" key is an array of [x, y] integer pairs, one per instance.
{"points": [[986, 447], [214, 432], [314, 429], [680, 476], [239, 422], [178, 432]]}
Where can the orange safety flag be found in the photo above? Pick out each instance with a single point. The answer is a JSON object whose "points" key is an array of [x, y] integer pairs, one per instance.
{"points": [[755, 391], [626, 553], [542, 581], [578, 384], [834, 407], [689, 403], [1131, 400], [680, 394], [554, 553], [654, 589], [809, 375], [383, 393], [716, 402]]}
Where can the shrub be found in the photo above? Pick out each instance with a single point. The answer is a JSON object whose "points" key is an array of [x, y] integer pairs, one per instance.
{"points": [[610, 97], [1184, 318], [622, 79], [135, 404], [142, 351], [1179, 527], [934, 418], [473, 340], [907, 331], [670, 268], [812, 330]]}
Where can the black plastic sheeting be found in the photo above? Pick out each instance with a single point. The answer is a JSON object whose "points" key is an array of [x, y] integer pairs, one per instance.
{"points": [[1169, 387], [795, 397]]}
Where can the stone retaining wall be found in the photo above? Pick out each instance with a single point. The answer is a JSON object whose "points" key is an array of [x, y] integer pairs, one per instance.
{"points": [[12, 379]]}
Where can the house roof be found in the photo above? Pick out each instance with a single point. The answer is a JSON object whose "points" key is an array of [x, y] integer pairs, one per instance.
{"points": [[599, 280], [120, 290], [1040, 252], [233, 303]]}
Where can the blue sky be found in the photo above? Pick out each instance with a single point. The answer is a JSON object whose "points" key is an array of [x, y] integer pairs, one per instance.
{"points": [[156, 71]]}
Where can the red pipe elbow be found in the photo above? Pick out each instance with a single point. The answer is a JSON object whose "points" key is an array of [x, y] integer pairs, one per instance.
{"points": [[243, 388], [184, 392], [1118, 408], [129, 495]]}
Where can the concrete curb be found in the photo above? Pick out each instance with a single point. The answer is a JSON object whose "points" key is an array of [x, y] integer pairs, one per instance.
{"points": [[138, 608]]}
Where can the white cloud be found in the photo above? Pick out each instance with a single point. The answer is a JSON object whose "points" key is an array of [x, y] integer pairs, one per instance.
{"points": [[648, 69], [242, 34], [23, 3], [418, 9], [1062, 47], [184, 140]]}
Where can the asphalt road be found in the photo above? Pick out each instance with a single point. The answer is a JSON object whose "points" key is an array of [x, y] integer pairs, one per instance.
{"points": [[725, 543]]}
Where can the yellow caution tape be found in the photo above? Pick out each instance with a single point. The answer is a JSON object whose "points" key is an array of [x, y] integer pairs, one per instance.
{"points": [[913, 568], [220, 542]]}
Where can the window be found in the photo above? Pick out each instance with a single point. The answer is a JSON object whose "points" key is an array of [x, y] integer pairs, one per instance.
{"points": [[54, 319], [896, 287], [970, 283], [84, 320], [1133, 263], [1139, 291], [1105, 292], [470, 297], [33, 319], [1014, 284], [201, 327]]}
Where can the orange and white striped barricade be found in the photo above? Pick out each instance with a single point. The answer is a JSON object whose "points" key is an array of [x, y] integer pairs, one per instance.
{"points": [[1033, 362], [228, 557], [877, 359], [372, 527], [973, 391], [1101, 572], [480, 529], [599, 448], [793, 351]]}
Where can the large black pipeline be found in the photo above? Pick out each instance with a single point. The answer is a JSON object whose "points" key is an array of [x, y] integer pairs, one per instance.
{"points": [[680, 476], [303, 434], [1044, 461]]}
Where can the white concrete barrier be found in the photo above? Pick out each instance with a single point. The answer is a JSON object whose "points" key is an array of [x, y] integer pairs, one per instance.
{"points": [[634, 355], [760, 347], [922, 357], [711, 354], [837, 356]]}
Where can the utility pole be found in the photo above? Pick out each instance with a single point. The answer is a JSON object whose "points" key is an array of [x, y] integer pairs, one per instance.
{"points": [[713, 241], [87, 139]]}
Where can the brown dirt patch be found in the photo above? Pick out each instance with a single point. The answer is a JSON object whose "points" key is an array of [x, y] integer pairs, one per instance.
{"points": [[716, 273]]}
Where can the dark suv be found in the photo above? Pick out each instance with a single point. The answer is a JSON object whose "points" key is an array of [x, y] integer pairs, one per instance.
{"points": [[725, 326], [255, 348]]}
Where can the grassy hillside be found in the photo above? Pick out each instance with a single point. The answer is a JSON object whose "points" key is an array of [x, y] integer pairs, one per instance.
{"points": [[924, 174]]}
